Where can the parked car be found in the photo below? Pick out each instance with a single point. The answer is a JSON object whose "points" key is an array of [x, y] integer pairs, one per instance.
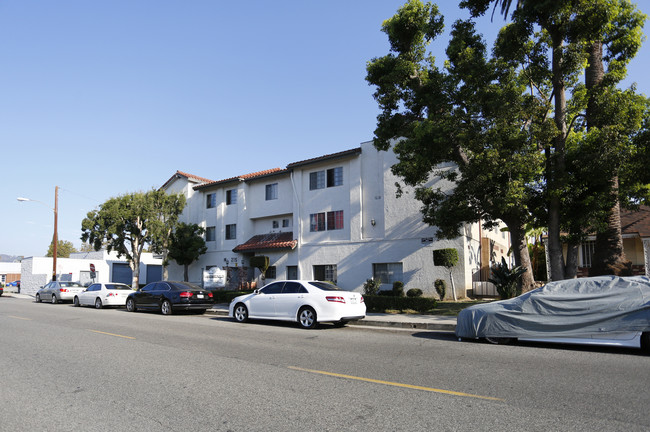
{"points": [[103, 294], [1, 290], [606, 310], [169, 296], [57, 291], [306, 302]]}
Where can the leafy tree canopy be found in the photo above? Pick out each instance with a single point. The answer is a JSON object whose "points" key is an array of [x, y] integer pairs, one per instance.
{"points": [[63, 249]]}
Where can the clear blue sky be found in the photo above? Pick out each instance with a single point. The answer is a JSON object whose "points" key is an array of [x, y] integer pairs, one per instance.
{"points": [[104, 98]]}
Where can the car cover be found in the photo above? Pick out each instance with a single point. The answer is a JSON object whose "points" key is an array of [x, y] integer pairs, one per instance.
{"points": [[584, 307]]}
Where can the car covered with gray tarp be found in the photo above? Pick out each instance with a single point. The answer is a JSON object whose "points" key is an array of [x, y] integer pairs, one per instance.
{"points": [[604, 308]]}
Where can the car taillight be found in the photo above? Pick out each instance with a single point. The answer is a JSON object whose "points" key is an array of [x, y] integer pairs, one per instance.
{"points": [[186, 294], [110, 294], [63, 290], [335, 299], [362, 300], [210, 295]]}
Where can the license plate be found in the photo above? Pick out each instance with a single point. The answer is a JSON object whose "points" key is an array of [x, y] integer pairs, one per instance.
{"points": [[199, 295], [353, 300]]}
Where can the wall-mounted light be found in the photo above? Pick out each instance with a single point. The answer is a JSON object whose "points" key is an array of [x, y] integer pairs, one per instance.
{"points": [[372, 222]]}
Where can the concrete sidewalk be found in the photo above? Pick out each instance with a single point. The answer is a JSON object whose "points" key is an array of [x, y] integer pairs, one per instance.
{"points": [[379, 320]]}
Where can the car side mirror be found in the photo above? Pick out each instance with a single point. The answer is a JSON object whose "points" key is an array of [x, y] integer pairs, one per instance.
{"points": [[256, 291]]}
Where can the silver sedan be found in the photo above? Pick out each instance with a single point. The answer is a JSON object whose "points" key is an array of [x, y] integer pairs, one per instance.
{"points": [[57, 291]]}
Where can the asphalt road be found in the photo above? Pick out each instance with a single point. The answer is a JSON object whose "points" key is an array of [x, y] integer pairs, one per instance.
{"points": [[81, 369]]}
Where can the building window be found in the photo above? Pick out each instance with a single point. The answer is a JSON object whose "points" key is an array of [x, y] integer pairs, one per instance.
{"points": [[335, 177], [317, 180], [285, 223], [292, 272], [330, 178], [210, 234], [317, 222], [588, 248], [388, 273], [231, 232], [325, 273], [211, 200], [231, 196], [276, 224], [270, 272], [272, 191], [335, 220]]}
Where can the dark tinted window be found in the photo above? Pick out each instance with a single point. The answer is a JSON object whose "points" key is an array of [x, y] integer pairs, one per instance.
{"points": [[162, 286], [325, 286], [274, 288], [93, 287], [149, 287], [117, 287], [293, 288], [183, 286]]}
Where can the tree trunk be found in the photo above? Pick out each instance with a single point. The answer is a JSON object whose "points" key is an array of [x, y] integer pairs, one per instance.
{"points": [[185, 272], [571, 269], [522, 257], [609, 256], [555, 161]]}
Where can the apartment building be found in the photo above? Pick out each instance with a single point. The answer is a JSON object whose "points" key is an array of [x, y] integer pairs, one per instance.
{"points": [[335, 217]]}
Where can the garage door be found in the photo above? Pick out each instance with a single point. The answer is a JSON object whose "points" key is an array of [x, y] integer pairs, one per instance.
{"points": [[122, 273], [154, 273]]}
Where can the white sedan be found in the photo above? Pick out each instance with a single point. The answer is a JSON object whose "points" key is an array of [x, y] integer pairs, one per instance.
{"points": [[306, 302], [103, 294]]}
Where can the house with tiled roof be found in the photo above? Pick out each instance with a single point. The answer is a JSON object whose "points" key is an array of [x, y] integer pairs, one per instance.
{"points": [[333, 217], [635, 227]]}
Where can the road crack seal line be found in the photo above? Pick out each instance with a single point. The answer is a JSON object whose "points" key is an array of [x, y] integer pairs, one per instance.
{"points": [[395, 384]]}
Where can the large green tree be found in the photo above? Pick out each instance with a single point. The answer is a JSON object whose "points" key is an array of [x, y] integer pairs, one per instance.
{"points": [[167, 208], [187, 245], [125, 224], [63, 249], [596, 128], [469, 123]]}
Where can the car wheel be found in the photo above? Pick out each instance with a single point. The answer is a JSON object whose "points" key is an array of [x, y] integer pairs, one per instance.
{"points": [[240, 313], [76, 301], [166, 307], [38, 298], [307, 317], [54, 299], [98, 303], [501, 340], [645, 342], [130, 305]]}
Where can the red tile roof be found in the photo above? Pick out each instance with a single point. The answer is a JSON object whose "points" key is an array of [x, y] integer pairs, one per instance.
{"points": [[283, 240], [243, 177], [190, 177]]}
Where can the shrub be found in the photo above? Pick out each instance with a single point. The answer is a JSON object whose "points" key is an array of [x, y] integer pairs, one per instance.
{"points": [[506, 280], [414, 292], [383, 303], [445, 257], [398, 289], [441, 288], [371, 287]]}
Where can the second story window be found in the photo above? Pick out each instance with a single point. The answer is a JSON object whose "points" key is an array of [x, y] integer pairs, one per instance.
{"points": [[330, 178], [231, 196], [271, 191], [326, 221], [210, 234], [231, 232], [317, 222], [211, 200]]}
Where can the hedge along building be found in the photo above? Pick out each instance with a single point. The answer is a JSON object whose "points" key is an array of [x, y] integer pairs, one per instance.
{"points": [[335, 217]]}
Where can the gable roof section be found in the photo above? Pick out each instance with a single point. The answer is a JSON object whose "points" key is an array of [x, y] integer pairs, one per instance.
{"points": [[339, 155], [636, 221], [245, 177], [283, 240], [189, 177]]}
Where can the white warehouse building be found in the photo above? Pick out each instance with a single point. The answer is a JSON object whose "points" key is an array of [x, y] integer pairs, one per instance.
{"points": [[334, 217]]}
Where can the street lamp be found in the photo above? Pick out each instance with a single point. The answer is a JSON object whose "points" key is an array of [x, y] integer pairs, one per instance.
{"points": [[55, 238]]}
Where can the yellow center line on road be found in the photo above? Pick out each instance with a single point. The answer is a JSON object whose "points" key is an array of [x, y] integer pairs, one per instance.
{"points": [[20, 318], [394, 384], [111, 334]]}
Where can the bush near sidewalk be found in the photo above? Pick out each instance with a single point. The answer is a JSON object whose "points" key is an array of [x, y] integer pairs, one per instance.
{"points": [[381, 303]]}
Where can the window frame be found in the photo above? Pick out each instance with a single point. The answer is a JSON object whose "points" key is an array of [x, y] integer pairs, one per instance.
{"points": [[390, 274], [271, 191], [231, 232], [211, 200], [210, 233], [231, 196]]}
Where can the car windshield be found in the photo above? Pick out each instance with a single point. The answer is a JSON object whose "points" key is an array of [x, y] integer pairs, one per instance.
{"points": [[325, 286], [117, 287], [71, 284], [182, 286]]}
